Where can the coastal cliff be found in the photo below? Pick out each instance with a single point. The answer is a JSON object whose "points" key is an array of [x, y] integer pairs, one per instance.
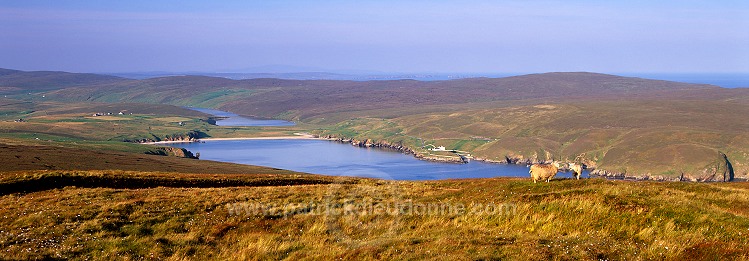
{"points": [[719, 170], [172, 151], [384, 144]]}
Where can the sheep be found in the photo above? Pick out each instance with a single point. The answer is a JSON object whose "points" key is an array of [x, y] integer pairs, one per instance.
{"points": [[577, 170], [544, 171]]}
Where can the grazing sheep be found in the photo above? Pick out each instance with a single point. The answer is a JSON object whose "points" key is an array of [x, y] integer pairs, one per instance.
{"points": [[577, 170], [544, 171]]}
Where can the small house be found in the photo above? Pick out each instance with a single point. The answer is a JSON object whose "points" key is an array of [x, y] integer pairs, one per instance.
{"points": [[440, 148]]}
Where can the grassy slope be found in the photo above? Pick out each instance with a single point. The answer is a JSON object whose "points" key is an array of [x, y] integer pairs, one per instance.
{"points": [[561, 220], [653, 137], [64, 136], [102, 157]]}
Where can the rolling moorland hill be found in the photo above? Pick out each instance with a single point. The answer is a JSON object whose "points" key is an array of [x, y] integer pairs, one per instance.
{"points": [[13, 81], [623, 126], [274, 97], [301, 99]]}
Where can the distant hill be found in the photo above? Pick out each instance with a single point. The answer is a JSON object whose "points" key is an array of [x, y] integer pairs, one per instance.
{"points": [[7, 71], [243, 76], [50, 80], [299, 99]]}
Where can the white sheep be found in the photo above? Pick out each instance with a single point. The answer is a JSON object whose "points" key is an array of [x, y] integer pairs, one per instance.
{"points": [[544, 171], [577, 170]]}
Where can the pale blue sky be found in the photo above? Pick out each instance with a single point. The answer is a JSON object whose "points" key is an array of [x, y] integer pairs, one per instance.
{"points": [[387, 36]]}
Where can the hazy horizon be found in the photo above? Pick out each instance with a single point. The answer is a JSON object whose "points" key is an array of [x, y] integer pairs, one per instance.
{"points": [[389, 37]]}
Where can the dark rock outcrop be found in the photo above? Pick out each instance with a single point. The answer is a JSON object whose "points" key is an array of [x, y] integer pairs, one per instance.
{"points": [[607, 174], [211, 120], [172, 151], [369, 143], [720, 170], [187, 137]]}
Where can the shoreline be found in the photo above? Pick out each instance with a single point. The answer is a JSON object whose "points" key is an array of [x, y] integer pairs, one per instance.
{"points": [[297, 136], [592, 173]]}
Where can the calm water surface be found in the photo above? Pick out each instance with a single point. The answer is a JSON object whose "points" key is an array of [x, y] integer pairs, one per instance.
{"points": [[335, 158], [341, 159]]}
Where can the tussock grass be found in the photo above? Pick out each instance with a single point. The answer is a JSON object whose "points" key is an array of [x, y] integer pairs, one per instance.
{"points": [[560, 220], [27, 182]]}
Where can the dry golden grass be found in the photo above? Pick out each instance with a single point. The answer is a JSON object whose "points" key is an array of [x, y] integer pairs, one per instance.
{"points": [[560, 220]]}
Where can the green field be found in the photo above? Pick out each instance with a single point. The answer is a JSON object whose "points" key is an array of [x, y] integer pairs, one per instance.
{"points": [[76, 122]]}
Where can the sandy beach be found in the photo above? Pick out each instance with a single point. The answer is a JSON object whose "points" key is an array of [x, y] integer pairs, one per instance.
{"points": [[297, 136]]}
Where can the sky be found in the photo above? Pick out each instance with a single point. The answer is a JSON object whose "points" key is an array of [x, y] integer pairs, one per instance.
{"points": [[473, 36]]}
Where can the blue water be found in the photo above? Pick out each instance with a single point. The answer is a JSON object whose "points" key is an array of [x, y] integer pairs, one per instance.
{"points": [[335, 158], [236, 120], [342, 159]]}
